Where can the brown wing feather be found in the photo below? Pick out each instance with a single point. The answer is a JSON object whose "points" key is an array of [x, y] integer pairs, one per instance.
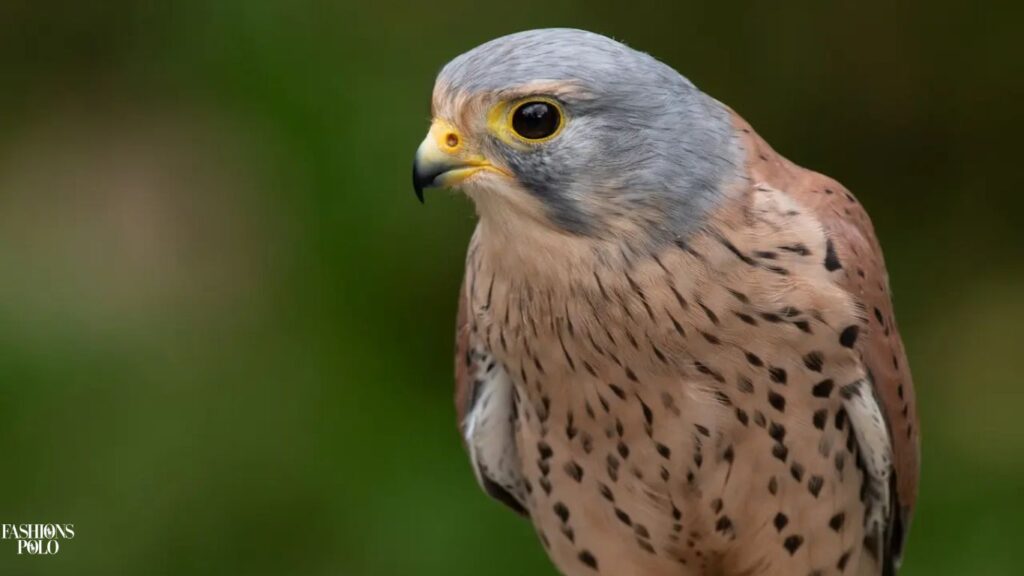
{"points": [[470, 378], [858, 267], [464, 365]]}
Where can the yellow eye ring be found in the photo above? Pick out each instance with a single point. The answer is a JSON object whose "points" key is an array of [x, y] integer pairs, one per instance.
{"points": [[535, 119]]}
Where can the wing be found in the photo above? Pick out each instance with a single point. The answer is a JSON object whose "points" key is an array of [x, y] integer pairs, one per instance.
{"points": [[485, 405], [854, 259]]}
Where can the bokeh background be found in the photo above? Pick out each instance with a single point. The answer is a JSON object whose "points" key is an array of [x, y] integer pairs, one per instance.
{"points": [[226, 325]]}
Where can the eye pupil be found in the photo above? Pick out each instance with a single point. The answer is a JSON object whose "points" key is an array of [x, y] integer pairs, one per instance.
{"points": [[536, 120]]}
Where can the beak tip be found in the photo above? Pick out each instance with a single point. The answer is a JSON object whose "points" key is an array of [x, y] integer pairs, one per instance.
{"points": [[418, 183]]}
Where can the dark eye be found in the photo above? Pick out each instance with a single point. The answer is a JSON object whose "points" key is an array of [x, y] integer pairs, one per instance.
{"points": [[536, 120]]}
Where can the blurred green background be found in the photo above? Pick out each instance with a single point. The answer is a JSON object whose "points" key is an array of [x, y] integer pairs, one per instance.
{"points": [[226, 324]]}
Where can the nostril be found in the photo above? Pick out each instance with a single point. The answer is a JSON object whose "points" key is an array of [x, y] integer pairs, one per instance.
{"points": [[452, 140]]}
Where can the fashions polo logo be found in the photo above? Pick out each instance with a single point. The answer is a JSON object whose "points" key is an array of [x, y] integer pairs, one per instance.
{"points": [[37, 539]]}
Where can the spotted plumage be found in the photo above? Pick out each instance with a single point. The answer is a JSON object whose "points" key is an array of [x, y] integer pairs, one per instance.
{"points": [[676, 349]]}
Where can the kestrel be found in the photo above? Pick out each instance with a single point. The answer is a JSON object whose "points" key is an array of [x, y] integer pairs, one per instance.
{"points": [[676, 349]]}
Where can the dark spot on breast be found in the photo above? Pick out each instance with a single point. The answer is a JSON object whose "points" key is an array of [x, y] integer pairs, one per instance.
{"points": [[742, 416], [645, 546], [736, 252], [704, 369], [641, 531], [544, 467], [777, 375], [659, 354], [848, 337], [831, 259], [648, 414], [792, 543], [724, 525], [780, 521], [780, 451], [711, 338], [663, 450], [623, 450], [574, 471], [679, 298], [588, 558], [570, 427], [569, 533], [814, 485], [836, 522], [544, 409], [843, 560], [759, 418], [623, 517], [739, 296], [612, 468], [544, 449], [823, 389], [587, 442], [676, 325], [777, 431], [840, 420], [797, 248], [561, 511], [709, 313], [747, 318], [778, 401], [819, 418], [814, 361], [724, 399], [797, 471], [754, 359]]}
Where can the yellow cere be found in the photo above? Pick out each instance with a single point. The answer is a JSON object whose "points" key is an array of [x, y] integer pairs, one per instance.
{"points": [[448, 141], [447, 137]]}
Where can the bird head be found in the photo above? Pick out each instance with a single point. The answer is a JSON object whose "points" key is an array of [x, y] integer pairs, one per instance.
{"points": [[578, 133]]}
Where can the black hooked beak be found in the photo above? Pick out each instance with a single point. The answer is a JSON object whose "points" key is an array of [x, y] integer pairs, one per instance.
{"points": [[424, 174], [419, 182]]}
